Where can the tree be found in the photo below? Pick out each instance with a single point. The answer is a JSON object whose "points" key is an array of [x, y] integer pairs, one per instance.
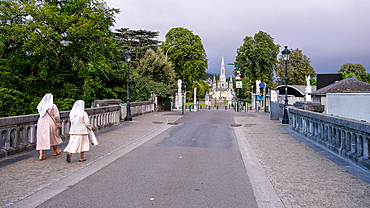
{"points": [[298, 67], [62, 47], [356, 68], [345, 75], [189, 59], [313, 81], [257, 58], [155, 74], [137, 41]]}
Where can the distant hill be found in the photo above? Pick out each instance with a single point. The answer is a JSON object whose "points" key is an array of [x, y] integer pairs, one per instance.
{"points": [[208, 75]]}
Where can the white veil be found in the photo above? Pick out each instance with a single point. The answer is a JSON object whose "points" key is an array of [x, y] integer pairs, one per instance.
{"points": [[77, 111], [45, 104]]}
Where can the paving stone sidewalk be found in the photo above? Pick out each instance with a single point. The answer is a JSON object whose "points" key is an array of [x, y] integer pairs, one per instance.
{"points": [[24, 177], [301, 176]]}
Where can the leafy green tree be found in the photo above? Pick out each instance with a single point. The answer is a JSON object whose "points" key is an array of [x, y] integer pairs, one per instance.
{"points": [[62, 47], [345, 75], [189, 59], [155, 74], [202, 89], [137, 41], [313, 81], [356, 68], [257, 58], [298, 67]]}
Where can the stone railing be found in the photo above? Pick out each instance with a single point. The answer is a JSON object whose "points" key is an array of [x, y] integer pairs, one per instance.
{"points": [[346, 137], [137, 108], [18, 133]]}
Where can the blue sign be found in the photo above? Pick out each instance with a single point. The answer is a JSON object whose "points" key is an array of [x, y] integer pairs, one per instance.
{"points": [[259, 97], [262, 84]]}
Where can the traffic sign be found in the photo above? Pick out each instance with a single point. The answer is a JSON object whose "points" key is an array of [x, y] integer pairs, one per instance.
{"points": [[239, 84], [237, 77], [262, 84]]}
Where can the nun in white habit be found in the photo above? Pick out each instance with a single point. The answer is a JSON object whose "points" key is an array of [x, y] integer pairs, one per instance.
{"points": [[47, 132], [79, 132]]}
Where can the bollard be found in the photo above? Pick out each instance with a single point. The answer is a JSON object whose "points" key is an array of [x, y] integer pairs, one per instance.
{"points": [[225, 107], [200, 107], [217, 107], [189, 108], [209, 107]]}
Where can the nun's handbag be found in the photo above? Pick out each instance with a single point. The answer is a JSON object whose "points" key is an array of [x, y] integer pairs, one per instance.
{"points": [[93, 138]]}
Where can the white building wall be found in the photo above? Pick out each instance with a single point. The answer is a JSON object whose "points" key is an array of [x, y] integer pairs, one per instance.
{"points": [[349, 105]]}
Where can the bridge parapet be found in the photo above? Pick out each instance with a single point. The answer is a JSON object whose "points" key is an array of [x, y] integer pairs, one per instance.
{"points": [[18, 133], [346, 137]]}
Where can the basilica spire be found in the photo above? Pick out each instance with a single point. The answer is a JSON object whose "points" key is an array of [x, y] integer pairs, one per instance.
{"points": [[223, 62]]}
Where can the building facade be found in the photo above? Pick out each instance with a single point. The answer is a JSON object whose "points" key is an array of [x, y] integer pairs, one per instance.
{"points": [[221, 89]]}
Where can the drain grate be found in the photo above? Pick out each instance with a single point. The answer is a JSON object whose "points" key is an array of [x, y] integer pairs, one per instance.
{"points": [[249, 125], [236, 125], [157, 122]]}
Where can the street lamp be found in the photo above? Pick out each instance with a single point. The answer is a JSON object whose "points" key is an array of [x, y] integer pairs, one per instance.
{"points": [[128, 60], [195, 97], [183, 104], [237, 89], [172, 47], [286, 53]]}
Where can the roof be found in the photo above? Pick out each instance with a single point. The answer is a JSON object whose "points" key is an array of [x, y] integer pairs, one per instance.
{"points": [[296, 90], [346, 85]]}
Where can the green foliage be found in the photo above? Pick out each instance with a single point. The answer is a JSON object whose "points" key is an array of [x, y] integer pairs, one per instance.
{"points": [[186, 53], [257, 58], [313, 81], [137, 41], [298, 67], [155, 74], [202, 89], [355, 68], [345, 75], [11, 102], [61, 47]]}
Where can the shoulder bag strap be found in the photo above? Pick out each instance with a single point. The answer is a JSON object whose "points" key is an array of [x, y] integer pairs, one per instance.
{"points": [[51, 117]]}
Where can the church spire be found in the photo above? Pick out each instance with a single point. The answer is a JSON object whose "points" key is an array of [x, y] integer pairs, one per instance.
{"points": [[222, 62]]}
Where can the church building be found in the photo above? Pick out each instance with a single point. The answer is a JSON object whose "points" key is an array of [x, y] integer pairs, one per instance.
{"points": [[221, 89]]}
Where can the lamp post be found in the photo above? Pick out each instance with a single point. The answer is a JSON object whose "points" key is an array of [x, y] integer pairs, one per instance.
{"points": [[286, 53], [195, 97], [128, 59], [183, 104], [172, 47], [237, 89]]}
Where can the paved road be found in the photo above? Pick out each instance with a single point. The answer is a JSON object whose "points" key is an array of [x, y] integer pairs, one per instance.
{"points": [[197, 163], [283, 169]]}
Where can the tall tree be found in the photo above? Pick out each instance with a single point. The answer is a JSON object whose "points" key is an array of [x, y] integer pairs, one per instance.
{"points": [[257, 58], [62, 47], [154, 73], [298, 67], [356, 68], [137, 41], [186, 53]]}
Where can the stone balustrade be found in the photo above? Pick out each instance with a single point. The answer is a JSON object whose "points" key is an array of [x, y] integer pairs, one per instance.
{"points": [[18, 133], [346, 137]]}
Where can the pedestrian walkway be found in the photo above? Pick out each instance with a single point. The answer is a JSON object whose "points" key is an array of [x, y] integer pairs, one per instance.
{"points": [[301, 176], [24, 175]]}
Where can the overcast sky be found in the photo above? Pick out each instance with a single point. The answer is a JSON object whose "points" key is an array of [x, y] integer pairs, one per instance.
{"points": [[329, 32]]}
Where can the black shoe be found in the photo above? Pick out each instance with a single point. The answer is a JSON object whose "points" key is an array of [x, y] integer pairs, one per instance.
{"points": [[68, 158]]}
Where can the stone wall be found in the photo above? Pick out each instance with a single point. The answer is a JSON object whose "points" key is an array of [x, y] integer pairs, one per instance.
{"points": [[346, 137], [18, 133]]}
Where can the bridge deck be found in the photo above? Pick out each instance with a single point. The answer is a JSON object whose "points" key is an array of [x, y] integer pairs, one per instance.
{"points": [[302, 173]]}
